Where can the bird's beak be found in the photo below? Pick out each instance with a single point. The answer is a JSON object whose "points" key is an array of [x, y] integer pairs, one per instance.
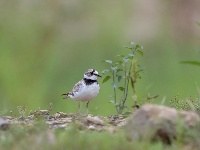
{"points": [[97, 75]]}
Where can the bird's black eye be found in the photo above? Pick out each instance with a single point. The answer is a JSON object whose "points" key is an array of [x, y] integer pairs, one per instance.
{"points": [[92, 73]]}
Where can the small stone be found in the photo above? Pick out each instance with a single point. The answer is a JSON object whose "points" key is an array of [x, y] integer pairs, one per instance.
{"points": [[94, 120], [62, 115], [39, 112], [50, 117], [91, 127], [8, 118], [30, 117], [62, 126], [3, 124], [122, 123], [159, 123]]}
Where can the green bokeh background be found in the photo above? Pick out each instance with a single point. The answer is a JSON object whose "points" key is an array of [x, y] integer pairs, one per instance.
{"points": [[46, 46]]}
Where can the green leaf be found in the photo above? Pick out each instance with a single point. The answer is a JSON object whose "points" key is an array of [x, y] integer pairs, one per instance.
{"points": [[131, 54], [119, 78], [127, 77], [132, 43], [108, 61], [121, 88], [119, 62], [128, 47], [106, 79], [125, 59], [140, 70], [113, 102], [137, 46], [114, 85], [125, 46], [114, 68], [140, 52], [104, 71], [119, 55], [119, 69], [197, 63]]}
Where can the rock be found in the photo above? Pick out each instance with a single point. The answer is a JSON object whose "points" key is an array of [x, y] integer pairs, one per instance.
{"points": [[3, 124], [117, 120], [122, 123], [91, 127], [63, 115], [94, 120], [39, 113], [153, 122]]}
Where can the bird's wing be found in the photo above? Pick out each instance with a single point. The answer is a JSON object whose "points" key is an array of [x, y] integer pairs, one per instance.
{"points": [[77, 86]]}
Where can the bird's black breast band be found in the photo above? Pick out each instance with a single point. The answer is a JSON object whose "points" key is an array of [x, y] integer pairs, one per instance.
{"points": [[89, 81]]}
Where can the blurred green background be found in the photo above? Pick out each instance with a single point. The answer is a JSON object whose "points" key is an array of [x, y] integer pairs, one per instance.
{"points": [[46, 46]]}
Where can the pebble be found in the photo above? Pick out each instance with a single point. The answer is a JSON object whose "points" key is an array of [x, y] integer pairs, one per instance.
{"points": [[95, 120], [3, 124]]}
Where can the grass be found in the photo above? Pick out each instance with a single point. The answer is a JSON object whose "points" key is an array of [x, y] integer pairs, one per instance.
{"points": [[41, 138], [186, 104]]}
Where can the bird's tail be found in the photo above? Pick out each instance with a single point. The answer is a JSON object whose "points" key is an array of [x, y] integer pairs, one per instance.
{"points": [[66, 95]]}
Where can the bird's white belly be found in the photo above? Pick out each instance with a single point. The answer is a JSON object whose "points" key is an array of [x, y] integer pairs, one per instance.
{"points": [[87, 93]]}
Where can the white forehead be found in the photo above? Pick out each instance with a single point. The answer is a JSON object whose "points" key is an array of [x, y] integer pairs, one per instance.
{"points": [[95, 72], [92, 70]]}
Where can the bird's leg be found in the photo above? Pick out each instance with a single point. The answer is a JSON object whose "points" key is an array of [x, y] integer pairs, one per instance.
{"points": [[79, 107], [87, 106]]}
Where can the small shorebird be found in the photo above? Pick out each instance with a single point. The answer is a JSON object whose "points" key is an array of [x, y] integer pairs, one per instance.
{"points": [[86, 89]]}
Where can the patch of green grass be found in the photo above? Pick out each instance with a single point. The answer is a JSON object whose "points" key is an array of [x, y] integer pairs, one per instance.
{"points": [[41, 138], [185, 104]]}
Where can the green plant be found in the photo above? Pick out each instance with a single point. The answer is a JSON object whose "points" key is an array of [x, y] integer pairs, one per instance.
{"points": [[185, 104], [124, 72], [192, 62], [197, 63], [22, 111]]}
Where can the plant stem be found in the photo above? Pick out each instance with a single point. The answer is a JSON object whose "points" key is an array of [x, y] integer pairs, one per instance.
{"points": [[126, 84], [125, 98], [122, 104], [134, 77], [125, 81], [115, 94]]}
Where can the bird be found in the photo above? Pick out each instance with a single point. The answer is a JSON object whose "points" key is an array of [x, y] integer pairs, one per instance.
{"points": [[86, 89]]}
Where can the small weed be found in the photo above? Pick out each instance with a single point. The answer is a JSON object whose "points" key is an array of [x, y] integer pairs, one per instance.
{"points": [[21, 110], [50, 108], [40, 112], [36, 113], [186, 104], [124, 72]]}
